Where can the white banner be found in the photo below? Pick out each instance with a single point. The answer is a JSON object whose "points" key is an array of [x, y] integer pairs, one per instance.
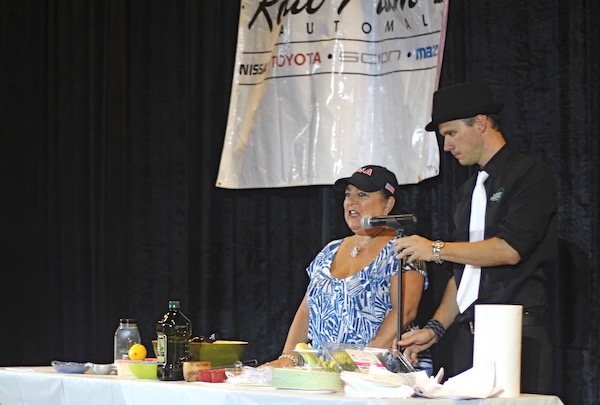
{"points": [[322, 87]]}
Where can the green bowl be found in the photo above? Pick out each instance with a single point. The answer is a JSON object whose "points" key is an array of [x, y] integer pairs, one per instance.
{"points": [[219, 353], [144, 369]]}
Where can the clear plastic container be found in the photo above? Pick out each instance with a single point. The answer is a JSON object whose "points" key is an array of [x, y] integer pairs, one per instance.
{"points": [[316, 359], [352, 357]]}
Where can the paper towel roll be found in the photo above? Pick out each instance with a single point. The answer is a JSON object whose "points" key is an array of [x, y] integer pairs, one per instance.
{"points": [[498, 331]]}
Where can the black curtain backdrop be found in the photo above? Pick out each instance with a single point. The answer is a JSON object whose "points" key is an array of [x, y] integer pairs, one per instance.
{"points": [[112, 120]]}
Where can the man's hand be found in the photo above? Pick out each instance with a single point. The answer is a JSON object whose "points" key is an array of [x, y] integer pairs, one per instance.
{"points": [[415, 342], [415, 246]]}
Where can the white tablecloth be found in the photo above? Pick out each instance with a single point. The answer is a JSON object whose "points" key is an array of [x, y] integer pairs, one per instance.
{"points": [[42, 385]]}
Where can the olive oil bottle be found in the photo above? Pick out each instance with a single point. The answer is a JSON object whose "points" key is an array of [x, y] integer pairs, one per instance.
{"points": [[173, 331]]}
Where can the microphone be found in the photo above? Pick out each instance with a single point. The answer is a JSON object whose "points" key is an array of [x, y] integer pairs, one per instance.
{"points": [[391, 221]]}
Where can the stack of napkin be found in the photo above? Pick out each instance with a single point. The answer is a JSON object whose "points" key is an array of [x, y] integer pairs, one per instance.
{"points": [[477, 382]]}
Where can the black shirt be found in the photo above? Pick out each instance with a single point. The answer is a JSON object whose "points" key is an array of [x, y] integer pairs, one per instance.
{"points": [[521, 209]]}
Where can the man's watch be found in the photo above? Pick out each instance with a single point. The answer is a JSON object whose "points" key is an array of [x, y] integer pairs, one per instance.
{"points": [[437, 248]]}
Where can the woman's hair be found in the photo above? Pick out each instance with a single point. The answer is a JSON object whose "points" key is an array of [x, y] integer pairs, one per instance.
{"points": [[396, 208]]}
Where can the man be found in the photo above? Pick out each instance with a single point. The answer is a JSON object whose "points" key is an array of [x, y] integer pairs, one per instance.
{"points": [[519, 244]]}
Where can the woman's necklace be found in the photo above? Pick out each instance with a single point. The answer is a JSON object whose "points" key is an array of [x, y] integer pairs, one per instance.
{"points": [[356, 249]]}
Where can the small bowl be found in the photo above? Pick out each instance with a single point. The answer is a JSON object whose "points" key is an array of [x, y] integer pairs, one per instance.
{"points": [[102, 369], [145, 370], [69, 367]]}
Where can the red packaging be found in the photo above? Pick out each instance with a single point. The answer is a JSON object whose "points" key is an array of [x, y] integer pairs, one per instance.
{"points": [[215, 376], [218, 375], [204, 375]]}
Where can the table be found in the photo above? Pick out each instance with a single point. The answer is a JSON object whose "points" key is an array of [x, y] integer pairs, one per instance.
{"points": [[42, 385]]}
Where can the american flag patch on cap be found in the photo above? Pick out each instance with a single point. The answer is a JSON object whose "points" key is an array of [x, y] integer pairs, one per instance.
{"points": [[390, 188]]}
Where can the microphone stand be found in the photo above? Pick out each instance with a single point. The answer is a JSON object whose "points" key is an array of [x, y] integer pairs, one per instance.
{"points": [[418, 264], [399, 233]]}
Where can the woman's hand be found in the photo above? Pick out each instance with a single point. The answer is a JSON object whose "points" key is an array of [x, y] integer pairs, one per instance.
{"points": [[279, 363]]}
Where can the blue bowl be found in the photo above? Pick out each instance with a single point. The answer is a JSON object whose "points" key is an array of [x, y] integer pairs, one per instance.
{"points": [[70, 367]]}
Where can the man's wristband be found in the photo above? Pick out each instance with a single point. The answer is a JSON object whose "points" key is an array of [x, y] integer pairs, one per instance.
{"points": [[437, 328]]}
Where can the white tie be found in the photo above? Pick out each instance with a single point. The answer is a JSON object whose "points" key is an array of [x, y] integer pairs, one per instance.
{"points": [[468, 290]]}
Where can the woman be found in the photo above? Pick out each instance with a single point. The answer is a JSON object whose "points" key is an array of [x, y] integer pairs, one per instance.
{"points": [[353, 289]]}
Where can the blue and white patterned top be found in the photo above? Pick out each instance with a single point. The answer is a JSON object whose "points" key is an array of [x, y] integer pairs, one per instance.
{"points": [[350, 310]]}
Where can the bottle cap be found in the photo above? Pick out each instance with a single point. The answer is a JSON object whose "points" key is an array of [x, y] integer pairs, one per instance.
{"points": [[174, 305], [128, 320]]}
